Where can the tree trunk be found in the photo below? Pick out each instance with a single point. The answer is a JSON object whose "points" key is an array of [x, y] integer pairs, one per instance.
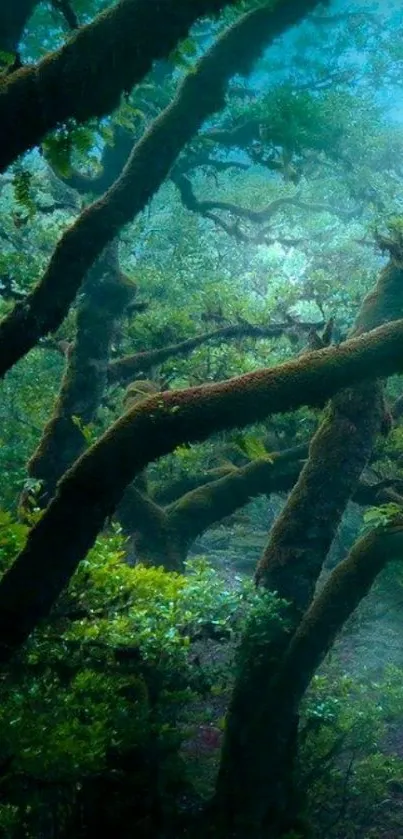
{"points": [[263, 801], [152, 539], [90, 491], [106, 296], [298, 546]]}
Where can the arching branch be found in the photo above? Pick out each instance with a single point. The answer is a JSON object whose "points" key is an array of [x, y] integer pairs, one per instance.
{"points": [[201, 93], [189, 200], [127, 37], [123, 369], [92, 488]]}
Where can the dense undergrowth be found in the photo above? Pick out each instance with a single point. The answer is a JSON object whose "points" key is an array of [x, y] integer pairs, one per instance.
{"points": [[114, 711]]}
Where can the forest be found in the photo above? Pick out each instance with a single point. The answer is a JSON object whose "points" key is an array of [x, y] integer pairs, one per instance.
{"points": [[201, 405]]}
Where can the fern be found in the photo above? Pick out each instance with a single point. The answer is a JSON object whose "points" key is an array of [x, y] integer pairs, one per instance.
{"points": [[22, 182]]}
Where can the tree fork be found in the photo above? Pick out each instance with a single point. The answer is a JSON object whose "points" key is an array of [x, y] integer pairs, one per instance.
{"points": [[339, 451], [280, 683], [90, 491], [299, 542], [163, 536]]}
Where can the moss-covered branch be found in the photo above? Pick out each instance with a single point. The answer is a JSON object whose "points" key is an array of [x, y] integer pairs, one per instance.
{"points": [[124, 369], [340, 596], [340, 450], [198, 510], [100, 62], [92, 488], [163, 536], [201, 94], [169, 492], [205, 207]]}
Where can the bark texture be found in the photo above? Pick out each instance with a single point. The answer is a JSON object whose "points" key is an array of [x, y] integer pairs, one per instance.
{"points": [[163, 536], [92, 488], [299, 543], [106, 294], [340, 450], [265, 804]]}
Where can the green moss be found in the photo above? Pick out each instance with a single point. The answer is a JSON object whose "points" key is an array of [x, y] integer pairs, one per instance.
{"points": [[84, 381]]}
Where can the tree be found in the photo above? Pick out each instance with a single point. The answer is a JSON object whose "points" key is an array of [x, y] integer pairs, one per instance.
{"points": [[313, 214]]}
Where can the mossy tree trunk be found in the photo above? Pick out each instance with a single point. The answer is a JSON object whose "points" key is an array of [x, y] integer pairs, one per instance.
{"points": [[106, 294], [263, 803], [299, 542], [90, 491], [152, 539], [164, 536]]}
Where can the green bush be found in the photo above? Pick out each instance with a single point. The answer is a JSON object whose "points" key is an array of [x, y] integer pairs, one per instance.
{"points": [[347, 767], [98, 694]]}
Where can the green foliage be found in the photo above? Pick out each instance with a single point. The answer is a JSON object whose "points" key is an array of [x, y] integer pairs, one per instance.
{"points": [[109, 675], [127, 116], [184, 54], [6, 60], [27, 397], [12, 539], [382, 516], [89, 431], [265, 632], [251, 446], [60, 146], [22, 187], [344, 764]]}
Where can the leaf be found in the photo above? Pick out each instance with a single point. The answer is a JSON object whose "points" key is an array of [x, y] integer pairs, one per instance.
{"points": [[57, 150], [6, 58], [86, 430], [251, 446]]}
